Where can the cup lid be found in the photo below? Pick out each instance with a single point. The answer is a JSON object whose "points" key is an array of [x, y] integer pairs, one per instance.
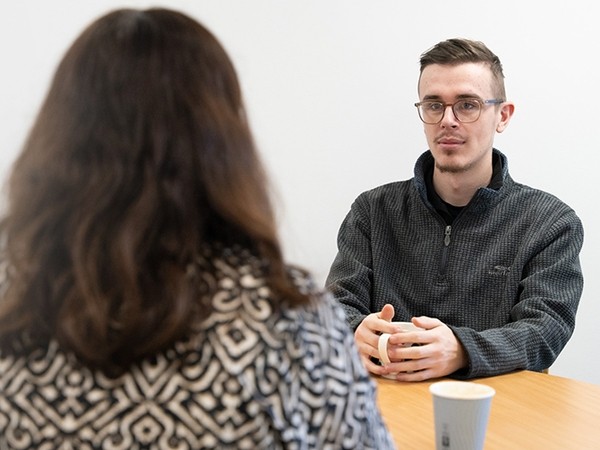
{"points": [[461, 390]]}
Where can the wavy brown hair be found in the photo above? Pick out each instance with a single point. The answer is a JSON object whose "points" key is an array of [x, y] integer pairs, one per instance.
{"points": [[141, 155]]}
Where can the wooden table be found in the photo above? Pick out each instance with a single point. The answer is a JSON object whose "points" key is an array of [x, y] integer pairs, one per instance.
{"points": [[529, 411]]}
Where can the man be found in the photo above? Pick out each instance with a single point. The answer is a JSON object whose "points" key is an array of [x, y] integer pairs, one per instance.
{"points": [[487, 267]]}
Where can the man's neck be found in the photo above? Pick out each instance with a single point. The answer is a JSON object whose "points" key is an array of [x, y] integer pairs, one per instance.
{"points": [[458, 188]]}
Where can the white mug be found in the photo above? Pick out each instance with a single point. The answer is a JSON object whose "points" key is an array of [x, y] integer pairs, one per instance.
{"points": [[382, 345]]}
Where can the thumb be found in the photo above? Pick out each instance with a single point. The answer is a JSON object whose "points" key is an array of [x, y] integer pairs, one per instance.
{"points": [[387, 312]]}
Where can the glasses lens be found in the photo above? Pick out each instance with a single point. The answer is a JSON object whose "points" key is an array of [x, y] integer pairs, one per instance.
{"points": [[467, 110], [431, 112]]}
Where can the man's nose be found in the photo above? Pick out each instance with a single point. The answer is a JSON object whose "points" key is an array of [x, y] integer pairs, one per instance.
{"points": [[449, 118]]}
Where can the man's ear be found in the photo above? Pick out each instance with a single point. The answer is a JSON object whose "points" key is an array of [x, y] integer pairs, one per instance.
{"points": [[506, 112]]}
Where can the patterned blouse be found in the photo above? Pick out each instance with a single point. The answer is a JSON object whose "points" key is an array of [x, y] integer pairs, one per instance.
{"points": [[251, 377]]}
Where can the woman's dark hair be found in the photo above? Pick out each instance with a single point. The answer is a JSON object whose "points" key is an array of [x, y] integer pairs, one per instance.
{"points": [[140, 157]]}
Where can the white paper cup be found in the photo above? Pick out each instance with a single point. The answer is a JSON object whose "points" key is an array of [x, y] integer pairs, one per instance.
{"points": [[382, 345], [461, 412]]}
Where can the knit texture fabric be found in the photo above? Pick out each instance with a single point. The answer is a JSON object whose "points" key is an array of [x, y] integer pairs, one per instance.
{"points": [[505, 277], [257, 374]]}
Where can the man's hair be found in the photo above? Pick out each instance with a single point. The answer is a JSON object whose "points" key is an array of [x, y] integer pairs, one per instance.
{"points": [[140, 157], [460, 51]]}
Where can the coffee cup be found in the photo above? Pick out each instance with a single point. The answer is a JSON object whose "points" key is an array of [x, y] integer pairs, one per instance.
{"points": [[461, 411]]}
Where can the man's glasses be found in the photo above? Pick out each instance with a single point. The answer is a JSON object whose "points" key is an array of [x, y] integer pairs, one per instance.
{"points": [[466, 110]]}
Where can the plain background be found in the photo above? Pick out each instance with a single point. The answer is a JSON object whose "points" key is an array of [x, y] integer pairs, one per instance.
{"points": [[330, 87]]}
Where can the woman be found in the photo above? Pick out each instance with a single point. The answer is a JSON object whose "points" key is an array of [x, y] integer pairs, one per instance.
{"points": [[145, 302]]}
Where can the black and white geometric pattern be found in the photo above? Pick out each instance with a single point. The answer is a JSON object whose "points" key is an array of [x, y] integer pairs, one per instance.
{"points": [[252, 377]]}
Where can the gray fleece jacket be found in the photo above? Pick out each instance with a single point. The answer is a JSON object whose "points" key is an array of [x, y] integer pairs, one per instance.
{"points": [[505, 277]]}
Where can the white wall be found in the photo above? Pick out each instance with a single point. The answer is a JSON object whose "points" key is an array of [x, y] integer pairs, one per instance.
{"points": [[330, 86]]}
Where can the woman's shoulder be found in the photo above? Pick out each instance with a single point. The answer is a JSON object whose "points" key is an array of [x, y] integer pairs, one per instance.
{"points": [[237, 284]]}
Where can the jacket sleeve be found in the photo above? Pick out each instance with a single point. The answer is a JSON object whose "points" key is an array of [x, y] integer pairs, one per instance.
{"points": [[543, 319], [351, 275]]}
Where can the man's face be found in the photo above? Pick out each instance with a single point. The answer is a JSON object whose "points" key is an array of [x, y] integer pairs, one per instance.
{"points": [[460, 147]]}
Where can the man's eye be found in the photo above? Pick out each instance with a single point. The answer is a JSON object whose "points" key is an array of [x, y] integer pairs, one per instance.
{"points": [[434, 107], [468, 105]]}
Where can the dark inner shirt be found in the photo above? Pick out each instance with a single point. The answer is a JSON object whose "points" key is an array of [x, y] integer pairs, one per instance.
{"points": [[446, 210]]}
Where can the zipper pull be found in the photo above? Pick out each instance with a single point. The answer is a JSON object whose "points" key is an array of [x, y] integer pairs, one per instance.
{"points": [[447, 235]]}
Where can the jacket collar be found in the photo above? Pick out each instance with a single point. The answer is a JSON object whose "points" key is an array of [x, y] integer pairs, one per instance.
{"points": [[482, 198]]}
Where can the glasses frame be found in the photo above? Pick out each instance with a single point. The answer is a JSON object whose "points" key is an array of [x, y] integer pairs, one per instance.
{"points": [[491, 101]]}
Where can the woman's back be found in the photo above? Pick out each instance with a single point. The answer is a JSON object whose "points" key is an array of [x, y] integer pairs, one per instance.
{"points": [[252, 376], [146, 302]]}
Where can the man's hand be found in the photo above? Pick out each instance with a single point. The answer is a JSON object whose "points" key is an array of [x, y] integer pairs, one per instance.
{"points": [[438, 354], [367, 336]]}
